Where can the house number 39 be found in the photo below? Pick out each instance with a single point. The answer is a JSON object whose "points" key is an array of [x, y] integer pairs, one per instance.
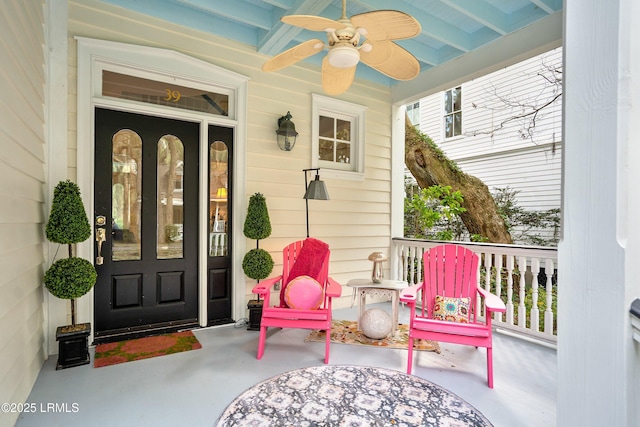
{"points": [[172, 95]]}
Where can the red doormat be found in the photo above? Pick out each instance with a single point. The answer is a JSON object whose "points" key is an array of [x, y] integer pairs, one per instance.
{"points": [[144, 348]]}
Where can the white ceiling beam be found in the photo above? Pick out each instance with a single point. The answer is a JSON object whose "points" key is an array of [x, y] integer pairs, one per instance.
{"points": [[282, 4], [432, 27], [539, 37], [482, 13], [280, 34], [546, 5], [240, 11]]}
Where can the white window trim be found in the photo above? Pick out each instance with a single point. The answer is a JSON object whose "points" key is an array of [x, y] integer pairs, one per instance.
{"points": [[442, 121], [332, 107]]}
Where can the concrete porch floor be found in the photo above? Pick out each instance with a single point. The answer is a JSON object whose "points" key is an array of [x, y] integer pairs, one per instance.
{"points": [[194, 387]]}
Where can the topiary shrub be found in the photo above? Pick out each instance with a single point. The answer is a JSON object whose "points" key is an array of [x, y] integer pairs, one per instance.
{"points": [[70, 278], [257, 264], [68, 222], [257, 225]]}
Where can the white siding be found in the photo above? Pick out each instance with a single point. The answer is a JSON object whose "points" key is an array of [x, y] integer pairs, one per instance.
{"points": [[356, 221], [534, 171], [502, 158], [22, 83]]}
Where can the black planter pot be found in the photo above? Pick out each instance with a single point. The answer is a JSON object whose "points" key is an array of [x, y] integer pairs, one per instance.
{"points": [[73, 345], [255, 314]]}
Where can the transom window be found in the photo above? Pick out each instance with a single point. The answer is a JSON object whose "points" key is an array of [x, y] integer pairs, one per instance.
{"points": [[338, 137], [453, 112], [139, 89]]}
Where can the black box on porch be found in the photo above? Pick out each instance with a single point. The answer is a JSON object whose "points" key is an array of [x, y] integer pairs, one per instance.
{"points": [[73, 345], [255, 314]]}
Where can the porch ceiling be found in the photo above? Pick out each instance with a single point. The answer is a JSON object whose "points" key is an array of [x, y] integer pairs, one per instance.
{"points": [[450, 28]]}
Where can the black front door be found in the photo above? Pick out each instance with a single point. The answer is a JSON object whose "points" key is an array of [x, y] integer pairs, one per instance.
{"points": [[146, 201], [220, 225]]}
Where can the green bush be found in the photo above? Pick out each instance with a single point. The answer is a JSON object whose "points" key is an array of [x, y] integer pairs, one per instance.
{"points": [[70, 278], [68, 221], [257, 224], [257, 264]]}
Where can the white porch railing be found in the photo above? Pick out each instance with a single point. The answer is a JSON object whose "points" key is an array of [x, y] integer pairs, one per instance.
{"points": [[528, 297]]}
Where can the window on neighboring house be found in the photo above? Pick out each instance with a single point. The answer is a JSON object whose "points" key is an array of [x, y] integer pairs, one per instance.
{"points": [[338, 137], [453, 112], [413, 112]]}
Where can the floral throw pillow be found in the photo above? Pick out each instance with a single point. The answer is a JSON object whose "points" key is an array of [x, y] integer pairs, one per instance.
{"points": [[451, 309]]}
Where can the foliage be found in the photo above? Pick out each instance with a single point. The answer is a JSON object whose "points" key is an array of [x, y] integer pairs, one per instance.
{"points": [[257, 225], [433, 213], [70, 278], [522, 222], [257, 264], [68, 221]]}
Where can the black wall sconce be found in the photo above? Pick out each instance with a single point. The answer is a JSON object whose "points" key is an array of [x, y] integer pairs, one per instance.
{"points": [[286, 133]]}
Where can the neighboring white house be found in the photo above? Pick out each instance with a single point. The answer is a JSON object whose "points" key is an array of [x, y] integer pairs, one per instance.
{"points": [[477, 124]]}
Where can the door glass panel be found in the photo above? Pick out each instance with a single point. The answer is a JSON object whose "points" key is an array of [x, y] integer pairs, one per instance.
{"points": [[218, 196], [126, 195], [170, 197]]}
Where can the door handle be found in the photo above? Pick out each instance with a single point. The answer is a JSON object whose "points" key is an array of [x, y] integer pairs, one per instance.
{"points": [[101, 236]]}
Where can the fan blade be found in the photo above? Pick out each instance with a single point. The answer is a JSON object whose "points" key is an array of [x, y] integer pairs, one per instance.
{"points": [[293, 55], [390, 59], [336, 80], [312, 23], [387, 25]]}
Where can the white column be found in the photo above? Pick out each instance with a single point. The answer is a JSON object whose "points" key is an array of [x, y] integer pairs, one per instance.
{"points": [[598, 254], [56, 311]]}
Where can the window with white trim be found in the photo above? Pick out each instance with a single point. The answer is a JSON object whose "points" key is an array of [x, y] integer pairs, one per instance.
{"points": [[413, 112], [338, 137], [453, 112]]}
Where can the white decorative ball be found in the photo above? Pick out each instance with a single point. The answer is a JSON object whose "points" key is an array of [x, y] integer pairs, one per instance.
{"points": [[375, 323]]}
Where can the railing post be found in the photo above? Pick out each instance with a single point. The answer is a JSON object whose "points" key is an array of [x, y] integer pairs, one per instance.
{"points": [[412, 263], [487, 277], [535, 312], [522, 309], [498, 290], [548, 312], [419, 272], [402, 263], [509, 304]]}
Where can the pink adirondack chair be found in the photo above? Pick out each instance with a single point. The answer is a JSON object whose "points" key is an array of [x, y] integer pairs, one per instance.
{"points": [[450, 271], [308, 257]]}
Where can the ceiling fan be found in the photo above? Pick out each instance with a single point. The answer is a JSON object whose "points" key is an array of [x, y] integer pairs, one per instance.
{"points": [[378, 29]]}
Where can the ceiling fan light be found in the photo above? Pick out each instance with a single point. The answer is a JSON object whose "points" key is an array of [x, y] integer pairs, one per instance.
{"points": [[343, 56]]}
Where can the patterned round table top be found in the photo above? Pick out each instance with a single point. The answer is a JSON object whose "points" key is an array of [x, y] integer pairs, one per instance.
{"points": [[354, 396]]}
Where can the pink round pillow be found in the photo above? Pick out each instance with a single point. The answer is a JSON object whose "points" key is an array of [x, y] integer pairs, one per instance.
{"points": [[303, 293]]}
